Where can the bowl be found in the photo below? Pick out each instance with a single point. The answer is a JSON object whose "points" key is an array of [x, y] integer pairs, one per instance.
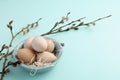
{"points": [[34, 70]]}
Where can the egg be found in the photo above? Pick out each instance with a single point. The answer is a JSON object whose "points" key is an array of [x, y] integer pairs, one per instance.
{"points": [[26, 55], [39, 44], [50, 46], [28, 43], [46, 57]]}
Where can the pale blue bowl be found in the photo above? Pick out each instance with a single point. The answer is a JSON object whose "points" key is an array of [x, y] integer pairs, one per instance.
{"points": [[34, 70]]}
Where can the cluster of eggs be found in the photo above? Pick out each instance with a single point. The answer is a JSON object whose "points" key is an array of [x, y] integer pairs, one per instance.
{"points": [[37, 49]]}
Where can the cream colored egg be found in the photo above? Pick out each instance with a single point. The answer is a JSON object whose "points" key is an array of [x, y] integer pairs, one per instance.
{"points": [[50, 46], [46, 57], [39, 44], [26, 55], [28, 43]]}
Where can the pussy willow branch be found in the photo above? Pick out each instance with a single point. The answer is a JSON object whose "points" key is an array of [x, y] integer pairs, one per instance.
{"points": [[3, 47], [93, 22], [60, 22], [71, 25], [27, 28], [72, 22]]}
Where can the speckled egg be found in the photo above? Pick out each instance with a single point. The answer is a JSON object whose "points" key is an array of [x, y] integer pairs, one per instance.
{"points": [[50, 46], [39, 44], [26, 55], [46, 57], [28, 43]]}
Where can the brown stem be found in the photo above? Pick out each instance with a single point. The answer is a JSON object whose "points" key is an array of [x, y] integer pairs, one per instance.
{"points": [[6, 56], [12, 34], [10, 44], [75, 27], [60, 22], [78, 20], [2, 48], [98, 19]]}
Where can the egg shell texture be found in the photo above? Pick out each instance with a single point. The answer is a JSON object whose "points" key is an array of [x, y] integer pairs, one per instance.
{"points": [[28, 43], [46, 57], [39, 44], [50, 46], [26, 55]]}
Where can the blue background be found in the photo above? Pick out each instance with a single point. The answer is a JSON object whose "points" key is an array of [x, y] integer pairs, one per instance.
{"points": [[89, 54]]}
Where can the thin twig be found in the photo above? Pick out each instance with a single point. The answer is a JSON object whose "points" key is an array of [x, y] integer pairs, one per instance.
{"points": [[72, 25], [60, 22], [98, 20], [78, 20], [5, 64]]}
